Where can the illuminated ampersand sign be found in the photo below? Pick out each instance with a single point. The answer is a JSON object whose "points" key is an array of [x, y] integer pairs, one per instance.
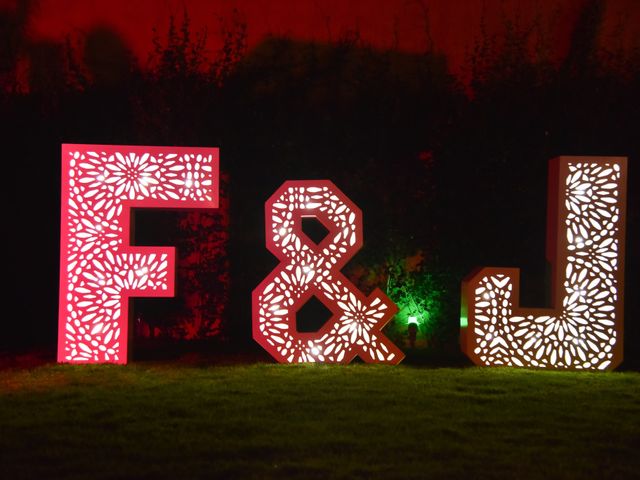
{"points": [[585, 247], [99, 271], [308, 269]]}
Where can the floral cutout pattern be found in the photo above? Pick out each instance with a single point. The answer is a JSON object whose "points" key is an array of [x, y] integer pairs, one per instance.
{"points": [[98, 268], [584, 330], [308, 269]]}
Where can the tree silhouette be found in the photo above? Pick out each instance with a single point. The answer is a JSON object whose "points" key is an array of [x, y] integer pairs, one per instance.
{"points": [[14, 43]]}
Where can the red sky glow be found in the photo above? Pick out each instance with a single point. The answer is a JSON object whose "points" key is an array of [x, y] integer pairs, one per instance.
{"points": [[453, 25]]}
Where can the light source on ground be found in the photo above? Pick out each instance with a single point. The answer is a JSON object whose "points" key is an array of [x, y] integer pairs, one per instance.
{"points": [[412, 330]]}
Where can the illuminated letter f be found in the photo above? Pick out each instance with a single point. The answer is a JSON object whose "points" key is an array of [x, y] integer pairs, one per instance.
{"points": [[99, 271]]}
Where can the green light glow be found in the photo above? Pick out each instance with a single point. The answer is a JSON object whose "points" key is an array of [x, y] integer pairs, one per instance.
{"points": [[419, 294], [464, 321]]}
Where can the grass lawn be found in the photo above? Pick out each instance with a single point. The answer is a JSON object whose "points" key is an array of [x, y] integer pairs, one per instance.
{"points": [[157, 420]]}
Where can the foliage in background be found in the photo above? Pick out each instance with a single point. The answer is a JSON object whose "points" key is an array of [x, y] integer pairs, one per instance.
{"points": [[456, 173], [204, 269], [420, 292], [181, 80], [418, 289]]}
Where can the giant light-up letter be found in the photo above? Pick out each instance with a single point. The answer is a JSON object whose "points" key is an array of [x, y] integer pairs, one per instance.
{"points": [[585, 247], [99, 271], [308, 269]]}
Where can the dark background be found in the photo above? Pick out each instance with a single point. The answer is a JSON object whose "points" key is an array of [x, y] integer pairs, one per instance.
{"points": [[450, 172]]}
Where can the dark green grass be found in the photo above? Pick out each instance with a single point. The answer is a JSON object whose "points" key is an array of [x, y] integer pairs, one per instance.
{"points": [[270, 421]]}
